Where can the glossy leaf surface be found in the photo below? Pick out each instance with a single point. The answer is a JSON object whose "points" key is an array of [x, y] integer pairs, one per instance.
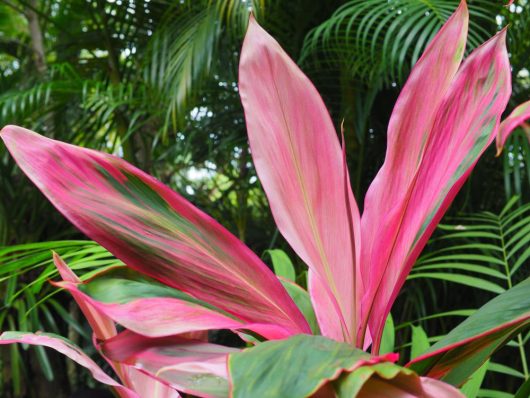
{"points": [[464, 125], [190, 366], [298, 159], [296, 367], [459, 354], [154, 230], [71, 351], [304, 365], [516, 118]]}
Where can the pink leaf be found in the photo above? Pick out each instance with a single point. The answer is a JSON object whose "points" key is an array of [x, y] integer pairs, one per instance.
{"points": [[104, 329], [71, 351], [163, 316], [148, 386], [298, 159], [438, 389], [403, 387], [408, 131], [102, 326], [516, 118], [462, 125], [154, 230], [190, 366]]}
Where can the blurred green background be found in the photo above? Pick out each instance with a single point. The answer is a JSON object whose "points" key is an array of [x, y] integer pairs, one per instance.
{"points": [[156, 82]]}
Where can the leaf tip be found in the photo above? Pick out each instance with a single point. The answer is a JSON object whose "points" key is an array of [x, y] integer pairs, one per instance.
{"points": [[462, 6], [8, 131], [499, 150], [12, 134], [66, 273], [503, 32]]}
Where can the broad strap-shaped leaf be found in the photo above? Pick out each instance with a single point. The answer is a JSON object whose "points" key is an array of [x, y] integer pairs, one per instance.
{"points": [[295, 367], [102, 326], [146, 385], [387, 380], [429, 388], [282, 264], [303, 365], [193, 367], [154, 230], [298, 159], [148, 307], [104, 329], [71, 351], [471, 388], [303, 301], [419, 341], [466, 122], [458, 355], [408, 132], [514, 120]]}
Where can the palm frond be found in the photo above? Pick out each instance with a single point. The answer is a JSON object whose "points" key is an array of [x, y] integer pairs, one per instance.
{"points": [[379, 40], [85, 257], [486, 253], [31, 305], [40, 98], [181, 54]]}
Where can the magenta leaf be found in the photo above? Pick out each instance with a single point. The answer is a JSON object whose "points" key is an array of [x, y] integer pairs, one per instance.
{"points": [[464, 124], [70, 350], [194, 367], [298, 159], [155, 231], [147, 307], [514, 120]]}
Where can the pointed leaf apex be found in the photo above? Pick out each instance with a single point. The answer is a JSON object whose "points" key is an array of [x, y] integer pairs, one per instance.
{"points": [[252, 24], [500, 37], [12, 134], [66, 273], [6, 130], [499, 151], [462, 6], [462, 11]]}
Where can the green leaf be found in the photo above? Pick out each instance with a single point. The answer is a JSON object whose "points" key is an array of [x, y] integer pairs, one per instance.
{"points": [[459, 354], [503, 369], [381, 39], [282, 264], [472, 386], [524, 390], [350, 384], [389, 336], [420, 342], [44, 363], [487, 393], [294, 368], [461, 279], [302, 300]]}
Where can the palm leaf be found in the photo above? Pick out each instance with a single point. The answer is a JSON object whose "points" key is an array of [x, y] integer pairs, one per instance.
{"points": [[379, 40], [484, 252]]}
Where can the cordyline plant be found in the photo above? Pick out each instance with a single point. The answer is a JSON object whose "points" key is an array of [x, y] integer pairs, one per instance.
{"points": [[186, 274]]}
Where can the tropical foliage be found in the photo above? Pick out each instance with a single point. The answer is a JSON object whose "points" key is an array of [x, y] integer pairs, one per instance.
{"points": [[185, 274], [486, 253], [156, 83]]}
